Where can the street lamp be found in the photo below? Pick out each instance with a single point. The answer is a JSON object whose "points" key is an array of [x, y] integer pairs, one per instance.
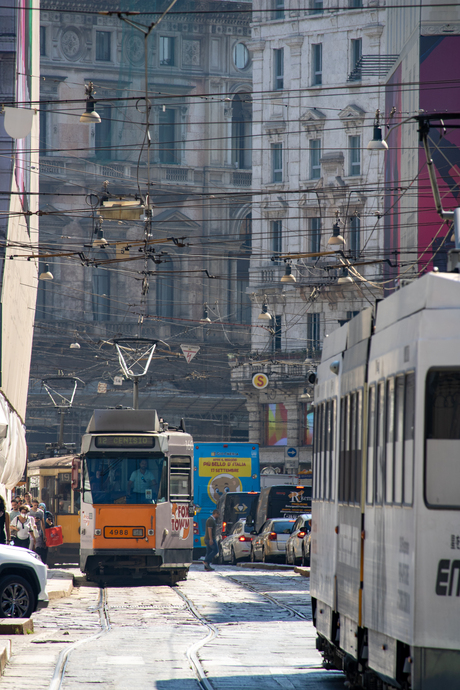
{"points": [[377, 143], [90, 116], [288, 277], [264, 314], [46, 274], [345, 277], [336, 241]]}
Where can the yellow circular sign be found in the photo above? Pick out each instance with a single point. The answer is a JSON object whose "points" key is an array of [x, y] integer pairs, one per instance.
{"points": [[260, 381]]}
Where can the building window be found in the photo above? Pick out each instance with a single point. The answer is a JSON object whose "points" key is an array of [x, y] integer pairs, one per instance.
{"points": [[315, 159], [275, 425], [313, 334], [277, 334], [278, 66], [316, 6], [43, 131], [165, 288], [243, 307], [355, 4], [103, 46], [276, 238], [242, 131], [240, 56], [355, 236], [277, 162], [103, 133], [43, 40], [101, 292], [315, 234], [356, 52], [166, 51], [278, 9], [317, 64], [168, 145], [354, 147]]}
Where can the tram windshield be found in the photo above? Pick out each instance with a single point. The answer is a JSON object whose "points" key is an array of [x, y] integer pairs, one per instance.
{"points": [[125, 479]]}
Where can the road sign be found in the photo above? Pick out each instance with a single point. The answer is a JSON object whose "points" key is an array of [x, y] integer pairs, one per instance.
{"points": [[260, 381], [292, 452], [189, 351]]}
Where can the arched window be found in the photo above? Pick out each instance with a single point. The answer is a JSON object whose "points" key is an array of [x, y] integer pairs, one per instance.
{"points": [[165, 287], [243, 303], [101, 292], [242, 131]]}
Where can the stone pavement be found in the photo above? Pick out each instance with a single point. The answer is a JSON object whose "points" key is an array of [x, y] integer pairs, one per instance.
{"points": [[59, 584]]}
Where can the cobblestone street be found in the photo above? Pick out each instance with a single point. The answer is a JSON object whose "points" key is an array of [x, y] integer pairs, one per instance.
{"points": [[254, 638]]}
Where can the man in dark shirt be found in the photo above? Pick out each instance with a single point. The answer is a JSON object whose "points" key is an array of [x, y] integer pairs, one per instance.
{"points": [[210, 539]]}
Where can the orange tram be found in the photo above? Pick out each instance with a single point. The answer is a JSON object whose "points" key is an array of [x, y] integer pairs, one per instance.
{"points": [[136, 497], [53, 481]]}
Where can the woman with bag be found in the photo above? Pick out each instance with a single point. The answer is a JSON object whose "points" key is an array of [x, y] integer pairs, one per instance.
{"points": [[23, 527], [4, 523]]}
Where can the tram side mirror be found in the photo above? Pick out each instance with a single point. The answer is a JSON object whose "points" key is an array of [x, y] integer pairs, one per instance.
{"points": [[75, 482]]}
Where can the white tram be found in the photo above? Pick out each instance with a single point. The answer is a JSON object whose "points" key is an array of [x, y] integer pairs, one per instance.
{"points": [[385, 549], [137, 488]]}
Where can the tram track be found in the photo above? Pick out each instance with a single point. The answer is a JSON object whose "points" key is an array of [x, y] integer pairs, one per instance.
{"points": [[192, 652], [104, 621]]}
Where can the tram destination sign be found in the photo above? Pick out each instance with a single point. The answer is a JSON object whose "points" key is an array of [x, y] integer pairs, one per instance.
{"points": [[125, 441]]}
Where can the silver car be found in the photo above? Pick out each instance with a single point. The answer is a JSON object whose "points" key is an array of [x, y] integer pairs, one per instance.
{"points": [[296, 545], [270, 543], [22, 582], [237, 546]]}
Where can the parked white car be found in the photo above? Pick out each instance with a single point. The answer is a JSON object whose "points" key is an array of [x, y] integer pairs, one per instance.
{"points": [[270, 543], [22, 582], [296, 546], [237, 546]]}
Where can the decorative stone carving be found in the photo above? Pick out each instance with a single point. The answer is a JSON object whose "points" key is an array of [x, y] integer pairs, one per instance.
{"points": [[71, 44], [313, 121], [352, 118], [191, 53], [134, 49]]}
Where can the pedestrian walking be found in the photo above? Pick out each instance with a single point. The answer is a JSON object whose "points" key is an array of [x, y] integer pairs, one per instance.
{"points": [[4, 523], [28, 499], [22, 528], [14, 508], [38, 514], [210, 539]]}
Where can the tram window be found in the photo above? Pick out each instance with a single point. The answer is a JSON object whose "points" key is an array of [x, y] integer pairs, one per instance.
{"points": [[398, 439], [315, 453], [332, 450], [358, 454], [87, 496], [442, 448], [352, 455], [408, 455], [180, 480], [323, 449], [379, 466], [390, 415], [371, 446], [327, 451], [343, 446], [125, 479]]}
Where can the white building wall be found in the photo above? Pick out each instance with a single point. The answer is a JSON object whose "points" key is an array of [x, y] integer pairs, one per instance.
{"points": [[293, 116]]}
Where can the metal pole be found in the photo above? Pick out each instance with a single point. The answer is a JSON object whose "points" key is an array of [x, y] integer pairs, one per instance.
{"points": [[61, 427], [136, 393]]}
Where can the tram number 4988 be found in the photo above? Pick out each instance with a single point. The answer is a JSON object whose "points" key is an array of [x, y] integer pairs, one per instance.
{"points": [[118, 532]]}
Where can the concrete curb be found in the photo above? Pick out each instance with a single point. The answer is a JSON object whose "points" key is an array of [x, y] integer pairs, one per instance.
{"points": [[265, 566], [59, 584], [16, 626], [5, 654], [302, 570]]}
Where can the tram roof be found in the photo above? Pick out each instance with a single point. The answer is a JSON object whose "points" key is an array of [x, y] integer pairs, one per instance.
{"points": [[431, 291], [49, 463]]}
